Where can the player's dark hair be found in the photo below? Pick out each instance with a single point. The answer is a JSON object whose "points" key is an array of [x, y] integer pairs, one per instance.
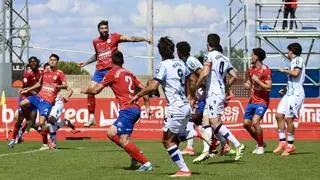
{"points": [[33, 58], [260, 53], [103, 22], [183, 48], [55, 56], [201, 59], [45, 65], [295, 48], [117, 58], [213, 40], [166, 48]]}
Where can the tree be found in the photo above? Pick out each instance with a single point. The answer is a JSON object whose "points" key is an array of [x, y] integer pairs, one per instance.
{"points": [[71, 68]]}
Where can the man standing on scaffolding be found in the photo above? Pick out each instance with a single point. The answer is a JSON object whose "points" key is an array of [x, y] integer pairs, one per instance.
{"points": [[290, 6]]}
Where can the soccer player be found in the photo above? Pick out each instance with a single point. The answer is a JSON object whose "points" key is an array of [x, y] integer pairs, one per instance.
{"points": [[174, 77], [124, 85], [259, 83], [194, 66], [216, 67], [31, 76], [53, 80], [293, 98], [105, 45]]}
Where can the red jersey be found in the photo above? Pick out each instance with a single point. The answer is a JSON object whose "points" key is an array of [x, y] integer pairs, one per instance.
{"points": [[30, 78], [104, 49], [123, 84], [50, 79], [293, 5], [258, 94]]}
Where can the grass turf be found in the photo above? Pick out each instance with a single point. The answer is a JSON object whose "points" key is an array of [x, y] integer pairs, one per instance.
{"points": [[104, 160]]}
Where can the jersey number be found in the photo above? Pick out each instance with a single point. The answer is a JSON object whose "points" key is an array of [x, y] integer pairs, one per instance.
{"points": [[180, 74], [221, 67], [130, 87]]}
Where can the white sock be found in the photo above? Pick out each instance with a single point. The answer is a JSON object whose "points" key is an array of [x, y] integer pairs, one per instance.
{"points": [[282, 135], [91, 117], [222, 140], [208, 131], [190, 143], [177, 158], [290, 139], [226, 133]]}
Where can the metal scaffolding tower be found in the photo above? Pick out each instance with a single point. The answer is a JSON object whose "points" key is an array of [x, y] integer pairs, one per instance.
{"points": [[238, 22], [15, 31], [308, 31]]}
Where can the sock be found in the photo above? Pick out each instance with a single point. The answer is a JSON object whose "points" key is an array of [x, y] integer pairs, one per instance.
{"points": [[290, 139], [260, 140], [208, 131], [53, 137], [226, 133], [15, 132], [91, 103], [282, 135], [177, 158], [135, 153], [115, 139], [222, 140], [44, 137], [190, 143]]}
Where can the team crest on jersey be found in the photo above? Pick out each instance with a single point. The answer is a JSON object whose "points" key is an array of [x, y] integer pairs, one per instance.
{"points": [[109, 41], [205, 58], [55, 77], [157, 71]]}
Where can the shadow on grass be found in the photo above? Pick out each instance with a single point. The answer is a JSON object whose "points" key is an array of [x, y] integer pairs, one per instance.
{"points": [[301, 153], [227, 162]]}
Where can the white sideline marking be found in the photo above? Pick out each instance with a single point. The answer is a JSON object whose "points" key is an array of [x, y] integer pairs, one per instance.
{"points": [[25, 152]]}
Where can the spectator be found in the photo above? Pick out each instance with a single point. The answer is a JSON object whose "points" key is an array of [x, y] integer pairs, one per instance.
{"points": [[289, 8]]}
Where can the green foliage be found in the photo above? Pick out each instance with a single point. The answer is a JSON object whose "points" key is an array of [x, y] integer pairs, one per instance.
{"points": [[71, 68]]}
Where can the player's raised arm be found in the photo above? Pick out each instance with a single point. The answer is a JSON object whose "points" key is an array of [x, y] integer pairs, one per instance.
{"points": [[89, 61], [125, 38], [93, 90], [145, 91], [295, 72]]}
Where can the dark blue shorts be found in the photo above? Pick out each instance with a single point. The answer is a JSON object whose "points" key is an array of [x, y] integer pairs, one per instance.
{"points": [[252, 109], [126, 120], [31, 108], [201, 105], [43, 106], [98, 75]]}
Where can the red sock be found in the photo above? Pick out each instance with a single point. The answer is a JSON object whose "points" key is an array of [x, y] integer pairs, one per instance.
{"points": [[44, 137], [115, 139], [213, 146], [135, 153], [91, 103], [260, 140], [15, 132]]}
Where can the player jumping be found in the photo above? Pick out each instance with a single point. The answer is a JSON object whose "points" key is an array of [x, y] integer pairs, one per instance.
{"points": [[105, 45]]}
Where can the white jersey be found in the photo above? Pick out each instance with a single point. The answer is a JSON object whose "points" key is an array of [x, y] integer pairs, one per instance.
{"points": [[220, 66], [171, 73], [295, 84], [193, 64]]}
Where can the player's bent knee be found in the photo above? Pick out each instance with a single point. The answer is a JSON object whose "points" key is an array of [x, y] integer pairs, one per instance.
{"points": [[247, 124], [24, 103], [279, 116]]}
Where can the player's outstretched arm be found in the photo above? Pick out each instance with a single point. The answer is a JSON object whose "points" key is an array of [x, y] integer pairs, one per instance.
{"points": [[89, 61], [93, 90], [295, 72], [145, 91], [125, 38], [34, 87], [203, 74]]}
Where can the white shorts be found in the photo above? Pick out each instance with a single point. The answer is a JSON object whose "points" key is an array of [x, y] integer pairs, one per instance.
{"points": [[177, 118], [56, 110], [214, 106], [290, 105]]}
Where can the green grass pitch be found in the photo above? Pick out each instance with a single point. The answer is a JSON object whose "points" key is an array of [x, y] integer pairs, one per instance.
{"points": [[104, 160]]}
